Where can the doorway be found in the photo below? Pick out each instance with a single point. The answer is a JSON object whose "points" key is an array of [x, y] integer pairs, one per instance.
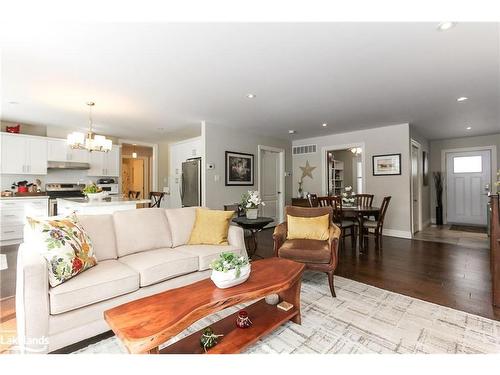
{"points": [[136, 171], [343, 166], [468, 181], [416, 186], [271, 183]]}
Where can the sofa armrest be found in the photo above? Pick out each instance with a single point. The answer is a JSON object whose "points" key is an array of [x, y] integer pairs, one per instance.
{"points": [[279, 236], [236, 237], [32, 300]]}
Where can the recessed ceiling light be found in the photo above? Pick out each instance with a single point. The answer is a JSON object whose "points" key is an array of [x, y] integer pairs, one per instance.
{"points": [[134, 144], [462, 99], [292, 132], [251, 96], [443, 26], [468, 128], [325, 125]]}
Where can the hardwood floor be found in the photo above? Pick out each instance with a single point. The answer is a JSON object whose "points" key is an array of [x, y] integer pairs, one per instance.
{"points": [[446, 274]]}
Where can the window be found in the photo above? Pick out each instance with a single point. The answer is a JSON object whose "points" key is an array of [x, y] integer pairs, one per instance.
{"points": [[468, 164]]}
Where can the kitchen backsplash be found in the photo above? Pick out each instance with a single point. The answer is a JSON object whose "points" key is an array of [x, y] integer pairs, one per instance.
{"points": [[67, 176]]}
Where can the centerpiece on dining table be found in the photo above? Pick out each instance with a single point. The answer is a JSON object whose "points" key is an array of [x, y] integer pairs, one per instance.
{"points": [[250, 201], [348, 198]]}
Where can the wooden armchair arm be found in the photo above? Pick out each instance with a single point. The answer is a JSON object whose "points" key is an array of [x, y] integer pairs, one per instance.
{"points": [[279, 236], [333, 242]]}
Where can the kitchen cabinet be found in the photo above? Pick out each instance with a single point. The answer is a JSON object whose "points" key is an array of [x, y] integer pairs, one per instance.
{"points": [[13, 213], [58, 150], [21, 154], [105, 164]]}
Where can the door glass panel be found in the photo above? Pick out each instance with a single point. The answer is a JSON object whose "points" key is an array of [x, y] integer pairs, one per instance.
{"points": [[467, 164]]}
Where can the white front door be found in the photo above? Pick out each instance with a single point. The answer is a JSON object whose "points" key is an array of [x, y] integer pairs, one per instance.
{"points": [[270, 184], [468, 176], [415, 188]]}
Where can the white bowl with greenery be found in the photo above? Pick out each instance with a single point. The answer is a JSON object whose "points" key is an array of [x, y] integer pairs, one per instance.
{"points": [[93, 192], [229, 270]]}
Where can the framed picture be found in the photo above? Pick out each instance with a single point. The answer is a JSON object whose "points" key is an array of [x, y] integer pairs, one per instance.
{"points": [[425, 168], [386, 165], [239, 169]]}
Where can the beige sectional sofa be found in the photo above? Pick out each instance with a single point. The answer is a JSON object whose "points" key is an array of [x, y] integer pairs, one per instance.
{"points": [[140, 252]]}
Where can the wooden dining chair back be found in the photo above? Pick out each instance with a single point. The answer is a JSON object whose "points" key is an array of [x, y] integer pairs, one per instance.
{"points": [[383, 210], [364, 200], [313, 200], [234, 207], [375, 227], [156, 197], [346, 225], [324, 201], [134, 194], [336, 203]]}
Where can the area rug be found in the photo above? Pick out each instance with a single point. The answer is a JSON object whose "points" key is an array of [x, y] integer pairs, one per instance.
{"points": [[362, 319], [469, 228]]}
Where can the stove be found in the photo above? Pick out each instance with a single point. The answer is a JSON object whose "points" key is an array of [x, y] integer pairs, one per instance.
{"points": [[62, 190]]}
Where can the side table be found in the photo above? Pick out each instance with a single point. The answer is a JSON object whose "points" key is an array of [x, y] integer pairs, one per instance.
{"points": [[254, 226]]}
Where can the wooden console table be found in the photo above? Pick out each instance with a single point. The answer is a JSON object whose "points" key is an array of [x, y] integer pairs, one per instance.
{"points": [[146, 323]]}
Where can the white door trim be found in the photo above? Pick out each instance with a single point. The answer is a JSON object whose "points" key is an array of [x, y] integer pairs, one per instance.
{"points": [[419, 177], [154, 180], [324, 150], [281, 202], [492, 149]]}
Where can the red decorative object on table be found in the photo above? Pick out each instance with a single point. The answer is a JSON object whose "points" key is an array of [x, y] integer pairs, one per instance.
{"points": [[13, 129], [242, 320]]}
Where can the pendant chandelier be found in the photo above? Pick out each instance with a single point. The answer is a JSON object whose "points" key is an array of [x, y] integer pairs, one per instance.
{"points": [[89, 141]]}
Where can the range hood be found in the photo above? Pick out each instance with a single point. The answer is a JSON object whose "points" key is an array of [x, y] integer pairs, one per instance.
{"points": [[67, 165]]}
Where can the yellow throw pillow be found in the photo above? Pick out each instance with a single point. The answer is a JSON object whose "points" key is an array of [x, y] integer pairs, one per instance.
{"points": [[308, 228], [210, 227]]}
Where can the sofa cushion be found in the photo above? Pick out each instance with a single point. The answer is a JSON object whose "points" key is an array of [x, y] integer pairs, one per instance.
{"points": [[140, 230], [108, 279], [181, 222], [210, 227], [157, 265], [101, 231], [207, 253], [307, 251]]}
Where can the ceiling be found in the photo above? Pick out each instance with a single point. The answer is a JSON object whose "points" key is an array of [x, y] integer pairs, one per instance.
{"points": [[150, 81]]}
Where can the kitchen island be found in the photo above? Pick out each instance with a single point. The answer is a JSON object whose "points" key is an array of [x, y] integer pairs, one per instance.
{"points": [[108, 205]]}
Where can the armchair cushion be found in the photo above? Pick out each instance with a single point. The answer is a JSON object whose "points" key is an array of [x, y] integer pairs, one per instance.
{"points": [[309, 228], [306, 251]]}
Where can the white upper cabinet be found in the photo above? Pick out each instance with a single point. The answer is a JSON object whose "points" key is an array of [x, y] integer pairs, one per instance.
{"points": [[105, 164], [58, 150], [22, 154]]}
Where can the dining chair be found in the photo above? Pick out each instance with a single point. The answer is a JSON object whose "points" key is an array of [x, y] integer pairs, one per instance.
{"points": [[234, 207], [156, 197], [364, 199], [313, 200], [375, 227], [317, 255], [133, 194], [324, 201], [344, 223]]}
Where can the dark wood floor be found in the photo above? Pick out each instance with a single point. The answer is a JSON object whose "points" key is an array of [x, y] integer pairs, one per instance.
{"points": [[445, 274]]}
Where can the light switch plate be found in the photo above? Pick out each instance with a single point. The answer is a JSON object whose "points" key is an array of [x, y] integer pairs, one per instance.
{"points": [[216, 178]]}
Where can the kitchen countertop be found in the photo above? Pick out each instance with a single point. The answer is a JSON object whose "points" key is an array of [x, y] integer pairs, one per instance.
{"points": [[24, 197], [108, 201]]}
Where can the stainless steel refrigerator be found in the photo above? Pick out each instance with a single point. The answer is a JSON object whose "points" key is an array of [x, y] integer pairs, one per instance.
{"points": [[190, 186]]}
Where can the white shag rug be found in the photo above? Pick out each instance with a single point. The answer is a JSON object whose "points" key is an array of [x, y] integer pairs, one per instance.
{"points": [[362, 319]]}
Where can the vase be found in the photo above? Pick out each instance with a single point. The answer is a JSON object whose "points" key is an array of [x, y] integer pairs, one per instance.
{"points": [[242, 320], [252, 213], [439, 215], [223, 280]]}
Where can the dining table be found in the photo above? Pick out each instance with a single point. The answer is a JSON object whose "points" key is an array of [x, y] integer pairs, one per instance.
{"points": [[360, 213]]}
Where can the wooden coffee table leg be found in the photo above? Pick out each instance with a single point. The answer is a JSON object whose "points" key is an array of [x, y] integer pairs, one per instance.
{"points": [[292, 295], [154, 351]]}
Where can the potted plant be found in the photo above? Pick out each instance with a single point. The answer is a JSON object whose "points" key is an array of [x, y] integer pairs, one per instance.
{"points": [[348, 196], [251, 201], [93, 192], [229, 270], [438, 184]]}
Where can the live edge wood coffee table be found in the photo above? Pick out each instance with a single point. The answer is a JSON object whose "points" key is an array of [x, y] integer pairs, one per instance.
{"points": [[146, 323]]}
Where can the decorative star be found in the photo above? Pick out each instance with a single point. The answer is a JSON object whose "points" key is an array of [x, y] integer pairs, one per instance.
{"points": [[307, 170]]}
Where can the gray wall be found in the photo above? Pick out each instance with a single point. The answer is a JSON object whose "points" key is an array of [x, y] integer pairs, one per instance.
{"points": [[219, 139], [444, 144], [382, 140], [426, 190]]}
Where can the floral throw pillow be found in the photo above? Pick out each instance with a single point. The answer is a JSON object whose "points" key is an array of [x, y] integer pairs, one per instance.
{"points": [[65, 246]]}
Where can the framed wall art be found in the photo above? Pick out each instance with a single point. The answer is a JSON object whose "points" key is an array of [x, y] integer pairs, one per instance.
{"points": [[386, 165], [239, 169]]}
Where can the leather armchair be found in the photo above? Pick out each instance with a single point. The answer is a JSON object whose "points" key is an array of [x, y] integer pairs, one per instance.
{"points": [[316, 255]]}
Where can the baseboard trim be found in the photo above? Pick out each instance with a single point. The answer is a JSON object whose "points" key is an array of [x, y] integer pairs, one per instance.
{"points": [[397, 233]]}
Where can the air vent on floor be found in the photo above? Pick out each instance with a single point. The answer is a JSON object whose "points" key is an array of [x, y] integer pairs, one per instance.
{"points": [[306, 149]]}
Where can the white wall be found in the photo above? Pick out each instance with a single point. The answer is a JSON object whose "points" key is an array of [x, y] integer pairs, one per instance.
{"points": [[219, 139], [426, 190], [383, 140]]}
